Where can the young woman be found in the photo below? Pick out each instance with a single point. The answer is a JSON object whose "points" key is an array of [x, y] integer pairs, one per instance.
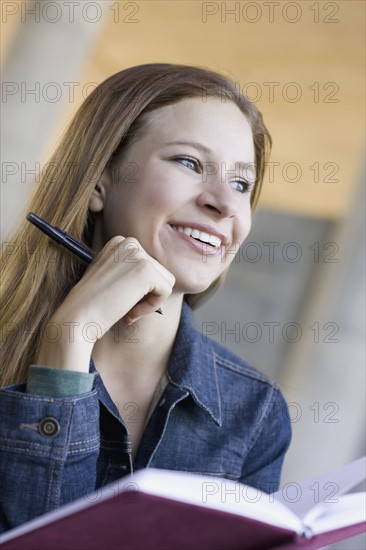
{"points": [[158, 174]]}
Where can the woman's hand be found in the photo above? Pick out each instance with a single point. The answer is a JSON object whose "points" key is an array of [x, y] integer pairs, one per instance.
{"points": [[117, 285], [122, 282]]}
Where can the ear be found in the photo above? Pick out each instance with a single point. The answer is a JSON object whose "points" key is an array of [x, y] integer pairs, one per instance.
{"points": [[99, 195]]}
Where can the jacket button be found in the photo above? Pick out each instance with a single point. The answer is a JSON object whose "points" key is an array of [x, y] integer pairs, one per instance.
{"points": [[49, 427]]}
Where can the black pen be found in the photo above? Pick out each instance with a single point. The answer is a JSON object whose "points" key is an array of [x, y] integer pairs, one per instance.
{"points": [[66, 240]]}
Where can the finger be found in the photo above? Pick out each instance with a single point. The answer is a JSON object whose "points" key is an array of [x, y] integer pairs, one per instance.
{"points": [[142, 254], [142, 308], [151, 301]]}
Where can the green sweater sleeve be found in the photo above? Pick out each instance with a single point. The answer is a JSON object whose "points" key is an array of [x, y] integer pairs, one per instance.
{"points": [[53, 382]]}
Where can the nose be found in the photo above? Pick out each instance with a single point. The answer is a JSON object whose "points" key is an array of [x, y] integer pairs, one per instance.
{"points": [[218, 197]]}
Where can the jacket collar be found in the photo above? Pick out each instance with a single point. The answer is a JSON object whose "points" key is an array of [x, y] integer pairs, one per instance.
{"points": [[192, 365]]}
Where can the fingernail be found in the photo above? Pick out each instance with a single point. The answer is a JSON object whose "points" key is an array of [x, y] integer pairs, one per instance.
{"points": [[130, 321]]}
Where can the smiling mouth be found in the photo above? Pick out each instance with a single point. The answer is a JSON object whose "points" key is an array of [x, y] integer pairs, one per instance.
{"points": [[211, 241]]}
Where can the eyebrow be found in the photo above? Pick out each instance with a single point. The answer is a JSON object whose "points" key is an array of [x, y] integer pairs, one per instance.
{"points": [[196, 145]]}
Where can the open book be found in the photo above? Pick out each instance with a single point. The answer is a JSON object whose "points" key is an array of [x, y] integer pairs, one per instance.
{"points": [[154, 509]]}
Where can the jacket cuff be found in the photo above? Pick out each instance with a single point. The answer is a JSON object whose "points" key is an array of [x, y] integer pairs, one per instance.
{"points": [[53, 382]]}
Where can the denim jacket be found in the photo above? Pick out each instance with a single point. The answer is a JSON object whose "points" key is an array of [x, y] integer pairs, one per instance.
{"points": [[217, 416]]}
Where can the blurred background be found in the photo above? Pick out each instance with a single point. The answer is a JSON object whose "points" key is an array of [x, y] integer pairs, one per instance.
{"points": [[293, 304]]}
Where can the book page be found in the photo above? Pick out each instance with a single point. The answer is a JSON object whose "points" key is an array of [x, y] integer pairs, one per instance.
{"points": [[327, 488], [350, 510]]}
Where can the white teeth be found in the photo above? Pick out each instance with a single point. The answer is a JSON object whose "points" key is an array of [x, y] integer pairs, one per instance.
{"points": [[215, 241], [201, 235]]}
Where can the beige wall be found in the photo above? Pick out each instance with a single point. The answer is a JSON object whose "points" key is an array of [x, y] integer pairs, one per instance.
{"points": [[310, 51]]}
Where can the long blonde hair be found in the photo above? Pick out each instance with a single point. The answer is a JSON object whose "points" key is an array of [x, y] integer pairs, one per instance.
{"points": [[36, 274]]}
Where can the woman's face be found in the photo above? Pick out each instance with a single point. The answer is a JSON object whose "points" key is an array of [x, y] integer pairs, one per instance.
{"points": [[165, 181]]}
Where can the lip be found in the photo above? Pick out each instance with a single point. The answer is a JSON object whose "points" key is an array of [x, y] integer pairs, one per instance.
{"points": [[203, 227], [202, 248]]}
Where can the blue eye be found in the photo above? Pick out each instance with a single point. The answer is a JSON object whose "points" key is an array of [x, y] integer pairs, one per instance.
{"points": [[193, 162], [242, 186]]}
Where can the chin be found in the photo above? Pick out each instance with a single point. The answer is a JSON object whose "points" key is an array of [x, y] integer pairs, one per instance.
{"points": [[192, 287]]}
